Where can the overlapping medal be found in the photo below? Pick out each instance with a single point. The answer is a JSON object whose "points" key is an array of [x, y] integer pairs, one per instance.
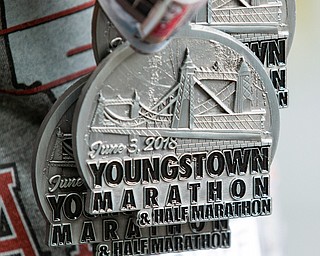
{"points": [[155, 153], [61, 196]]}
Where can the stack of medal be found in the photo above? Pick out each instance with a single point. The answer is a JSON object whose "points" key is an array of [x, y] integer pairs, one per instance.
{"points": [[155, 153]]}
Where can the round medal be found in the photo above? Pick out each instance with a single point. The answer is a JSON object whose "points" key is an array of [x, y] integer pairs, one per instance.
{"points": [[151, 126], [61, 194]]}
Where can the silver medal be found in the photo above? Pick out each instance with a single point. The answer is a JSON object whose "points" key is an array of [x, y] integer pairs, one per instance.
{"points": [[184, 135], [61, 194]]}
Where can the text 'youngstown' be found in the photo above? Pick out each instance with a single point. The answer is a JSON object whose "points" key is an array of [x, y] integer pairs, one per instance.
{"points": [[146, 170]]}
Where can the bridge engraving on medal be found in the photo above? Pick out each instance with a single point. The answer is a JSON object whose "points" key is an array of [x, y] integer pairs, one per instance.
{"points": [[177, 116]]}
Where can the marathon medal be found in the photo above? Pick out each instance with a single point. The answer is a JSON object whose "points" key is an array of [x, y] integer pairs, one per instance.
{"points": [[265, 26], [184, 135], [61, 195]]}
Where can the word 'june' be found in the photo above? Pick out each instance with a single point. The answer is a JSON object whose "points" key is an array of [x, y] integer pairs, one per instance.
{"points": [[169, 167]]}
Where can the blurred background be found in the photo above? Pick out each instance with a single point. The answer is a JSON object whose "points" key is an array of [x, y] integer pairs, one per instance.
{"points": [[296, 172]]}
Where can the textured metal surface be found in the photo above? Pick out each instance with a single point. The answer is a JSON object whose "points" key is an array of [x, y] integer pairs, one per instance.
{"points": [[202, 112]]}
